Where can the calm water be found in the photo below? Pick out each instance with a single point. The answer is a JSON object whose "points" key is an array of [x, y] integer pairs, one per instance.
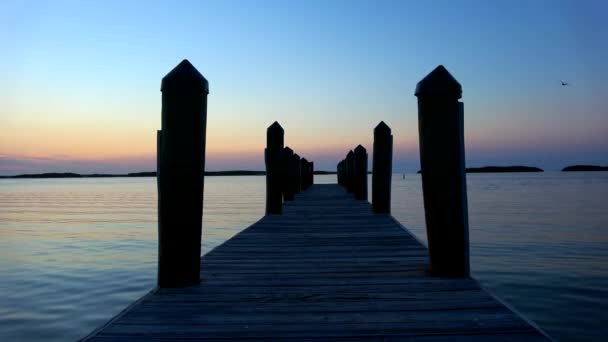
{"points": [[74, 252]]}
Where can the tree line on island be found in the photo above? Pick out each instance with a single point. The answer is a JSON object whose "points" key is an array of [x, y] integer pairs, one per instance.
{"points": [[143, 174], [520, 168], [496, 169], [485, 169], [585, 168]]}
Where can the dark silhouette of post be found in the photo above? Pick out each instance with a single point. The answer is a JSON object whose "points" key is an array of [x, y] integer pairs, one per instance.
{"points": [[350, 172], [274, 168], [442, 161], [343, 173], [296, 179], [382, 169], [288, 188], [311, 174], [180, 175], [360, 178], [339, 172], [303, 174]]}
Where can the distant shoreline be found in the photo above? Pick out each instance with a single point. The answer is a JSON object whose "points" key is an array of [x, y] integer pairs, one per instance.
{"points": [[492, 169], [141, 174], [484, 169], [502, 169], [573, 168]]}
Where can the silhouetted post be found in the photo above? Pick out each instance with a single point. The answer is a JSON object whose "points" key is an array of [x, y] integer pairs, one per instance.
{"points": [[311, 174], [180, 175], [343, 168], [303, 174], [382, 169], [350, 172], [296, 179], [360, 178], [338, 171], [288, 188], [274, 168], [344, 173], [341, 172], [308, 174], [441, 134]]}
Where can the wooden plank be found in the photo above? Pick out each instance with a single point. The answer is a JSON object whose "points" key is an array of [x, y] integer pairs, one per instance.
{"points": [[326, 269], [349, 284], [501, 337]]}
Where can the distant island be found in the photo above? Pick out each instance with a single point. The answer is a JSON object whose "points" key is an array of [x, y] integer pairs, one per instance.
{"points": [[516, 168], [585, 168], [145, 174], [493, 169]]}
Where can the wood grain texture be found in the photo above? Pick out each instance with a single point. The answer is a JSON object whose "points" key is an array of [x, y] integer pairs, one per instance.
{"points": [[326, 269]]}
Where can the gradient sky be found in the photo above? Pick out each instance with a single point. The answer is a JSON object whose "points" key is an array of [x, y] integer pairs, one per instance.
{"points": [[80, 80]]}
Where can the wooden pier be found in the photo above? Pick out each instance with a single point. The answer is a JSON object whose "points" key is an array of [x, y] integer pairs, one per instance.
{"points": [[324, 263], [328, 268]]}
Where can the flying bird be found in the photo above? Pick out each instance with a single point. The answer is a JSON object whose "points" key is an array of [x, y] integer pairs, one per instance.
{"points": [[565, 84]]}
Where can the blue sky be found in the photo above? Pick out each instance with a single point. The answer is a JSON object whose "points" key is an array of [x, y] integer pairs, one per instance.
{"points": [[80, 80]]}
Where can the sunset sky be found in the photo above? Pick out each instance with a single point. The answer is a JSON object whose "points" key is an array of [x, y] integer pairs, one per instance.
{"points": [[80, 80]]}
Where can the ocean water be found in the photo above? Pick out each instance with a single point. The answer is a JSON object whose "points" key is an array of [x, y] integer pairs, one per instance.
{"points": [[75, 252]]}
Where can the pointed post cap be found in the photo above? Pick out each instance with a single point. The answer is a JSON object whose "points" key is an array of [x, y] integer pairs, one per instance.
{"points": [[288, 150], [275, 136], [382, 128], [360, 149], [350, 153], [185, 76], [304, 160], [275, 128], [296, 155], [439, 83]]}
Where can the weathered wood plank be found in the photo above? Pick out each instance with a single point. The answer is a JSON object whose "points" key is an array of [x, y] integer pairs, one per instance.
{"points": [[500, 337], [326, 269]]}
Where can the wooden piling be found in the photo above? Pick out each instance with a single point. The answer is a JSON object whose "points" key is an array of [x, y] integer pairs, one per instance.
{"points": [[288, 188], [303, 174], [344, 173], [360, 178], [350, 172], [274, 168], [382, 169], [296, 179], [311, 173], [339, 173], [442, 161], [180, 169]]}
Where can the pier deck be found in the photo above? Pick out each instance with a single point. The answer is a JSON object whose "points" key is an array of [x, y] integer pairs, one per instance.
{"points": [[326, 269]]}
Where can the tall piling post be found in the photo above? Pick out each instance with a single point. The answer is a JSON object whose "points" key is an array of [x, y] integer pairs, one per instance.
{"points": [[343, 171], [296, 175], [274, 168], [303, 174], [382, 169], [350, 172], [442, 161], [288, 189], [339, 172], [180, 175], [360, 178], [311, 173]]}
